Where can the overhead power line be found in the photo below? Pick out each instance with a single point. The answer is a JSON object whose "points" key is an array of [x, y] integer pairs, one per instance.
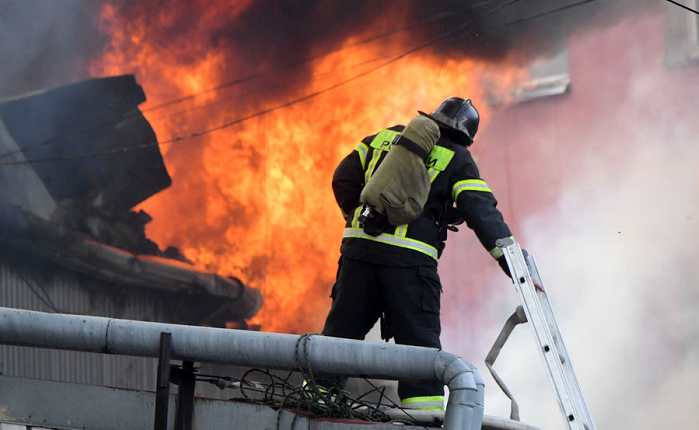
{"points": [[303, 61], [444, 36], [549, 12], [110, 123], [684, 7], [242, 80], [280, 85]]}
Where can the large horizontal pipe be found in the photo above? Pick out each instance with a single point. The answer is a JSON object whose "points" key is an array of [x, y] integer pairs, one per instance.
{"points": [[245, 348]]}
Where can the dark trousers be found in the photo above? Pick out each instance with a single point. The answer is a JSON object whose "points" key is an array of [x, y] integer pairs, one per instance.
{"points": [[407, 297]]}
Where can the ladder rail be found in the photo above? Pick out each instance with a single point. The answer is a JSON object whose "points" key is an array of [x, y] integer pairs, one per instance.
{"points": [[539, 313], [570, 375]]}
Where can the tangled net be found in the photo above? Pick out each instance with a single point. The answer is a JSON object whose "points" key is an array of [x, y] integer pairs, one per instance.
{"points": [[314, 398]]}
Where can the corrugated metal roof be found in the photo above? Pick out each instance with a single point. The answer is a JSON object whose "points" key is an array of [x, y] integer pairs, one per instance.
{"points": [[54, 289]]}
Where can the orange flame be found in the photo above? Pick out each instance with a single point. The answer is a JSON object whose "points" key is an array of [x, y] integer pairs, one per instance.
{"points": [[254, 199]]}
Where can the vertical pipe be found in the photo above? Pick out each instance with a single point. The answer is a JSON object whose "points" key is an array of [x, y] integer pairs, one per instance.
{"points": [[185, 397], [162, 389]]}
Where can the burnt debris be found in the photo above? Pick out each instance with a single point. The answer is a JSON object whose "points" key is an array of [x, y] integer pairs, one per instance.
{"points": [[74, 160]]}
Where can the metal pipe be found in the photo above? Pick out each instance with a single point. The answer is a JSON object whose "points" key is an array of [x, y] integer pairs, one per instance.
{"points": [[245, 348]]}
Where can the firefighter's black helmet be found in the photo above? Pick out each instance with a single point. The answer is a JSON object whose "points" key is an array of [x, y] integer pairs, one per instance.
{"points": [[459, 115]]}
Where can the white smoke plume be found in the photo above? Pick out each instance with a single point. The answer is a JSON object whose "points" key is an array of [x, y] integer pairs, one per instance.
{"points": [[617, 259], [618, 253], [617, 249]]}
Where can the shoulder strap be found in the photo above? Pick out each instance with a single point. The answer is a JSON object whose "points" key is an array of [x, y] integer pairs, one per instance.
{"points": [[411, 146]]}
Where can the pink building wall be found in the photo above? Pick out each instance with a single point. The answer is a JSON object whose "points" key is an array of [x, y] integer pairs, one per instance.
{"points": [[607, 171]]}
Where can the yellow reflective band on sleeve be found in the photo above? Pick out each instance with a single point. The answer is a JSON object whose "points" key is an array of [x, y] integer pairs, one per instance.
{"points": [[363, 151], [391, 239], [425, 403], [469, 185], [432, 173], [497, 251]]}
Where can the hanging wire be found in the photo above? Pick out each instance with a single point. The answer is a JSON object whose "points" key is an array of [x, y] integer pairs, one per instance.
{"points": [[266, 89], [233, 83], [457, 31], [549, 12], [684, 7], [45, 298], [138, 113], [303, 61]]}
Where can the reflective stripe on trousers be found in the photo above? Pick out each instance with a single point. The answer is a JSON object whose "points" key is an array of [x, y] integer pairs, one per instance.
{"points": [[425, 403]]}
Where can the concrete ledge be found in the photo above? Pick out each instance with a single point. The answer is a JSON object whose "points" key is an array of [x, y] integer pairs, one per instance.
{"points": [[61, 405]]}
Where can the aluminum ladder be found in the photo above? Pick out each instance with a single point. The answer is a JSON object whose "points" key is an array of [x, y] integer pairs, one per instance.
{"points": [[538, 311]]}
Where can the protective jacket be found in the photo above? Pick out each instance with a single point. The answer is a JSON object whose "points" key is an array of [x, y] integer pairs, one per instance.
{"points": [[457, 193]]}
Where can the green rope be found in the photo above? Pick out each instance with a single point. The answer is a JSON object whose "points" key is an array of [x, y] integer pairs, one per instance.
{"points": [[326, 400]]}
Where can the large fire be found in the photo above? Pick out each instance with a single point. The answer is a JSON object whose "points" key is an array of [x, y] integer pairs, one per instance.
{"points": [[253, 198]]}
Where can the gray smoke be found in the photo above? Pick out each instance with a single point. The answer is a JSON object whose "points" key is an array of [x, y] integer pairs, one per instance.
{"points": [[45, 43], [48, 43]]}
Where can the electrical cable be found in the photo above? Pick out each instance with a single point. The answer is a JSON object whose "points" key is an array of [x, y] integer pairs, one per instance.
{"points": [[46, 299], [266, 89], [549, 12], [236, 82], [346, 47], [138, 113], [684, 7], [318, 57], [239, 120]]}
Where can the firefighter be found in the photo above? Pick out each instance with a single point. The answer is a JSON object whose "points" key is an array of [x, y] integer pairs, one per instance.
{"points": [[392, 276]]}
